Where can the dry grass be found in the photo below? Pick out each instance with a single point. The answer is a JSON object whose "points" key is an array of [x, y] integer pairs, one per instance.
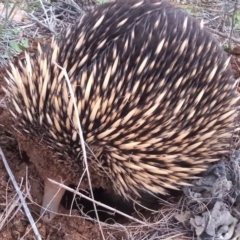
{"points": [[21, 23], [15, 203]]}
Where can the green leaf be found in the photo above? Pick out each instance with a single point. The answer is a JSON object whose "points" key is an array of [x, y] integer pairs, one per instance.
{"points": [[25, 43], [15, 31], [15, 46], [237, 19]]}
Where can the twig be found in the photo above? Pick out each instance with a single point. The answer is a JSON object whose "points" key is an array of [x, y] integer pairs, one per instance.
{"points": [[27, 211], [223, 35], [80, 132], [41, 23], [233, 15]]}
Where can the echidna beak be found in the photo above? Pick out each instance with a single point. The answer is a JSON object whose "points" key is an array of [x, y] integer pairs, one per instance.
{"points": [[51, 200]]}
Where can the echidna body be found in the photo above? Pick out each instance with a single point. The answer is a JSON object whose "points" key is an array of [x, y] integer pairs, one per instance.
{"points": [[153, 89]]}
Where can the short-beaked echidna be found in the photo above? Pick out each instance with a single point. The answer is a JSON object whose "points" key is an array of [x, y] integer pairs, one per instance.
{"points": [[154, 92]]}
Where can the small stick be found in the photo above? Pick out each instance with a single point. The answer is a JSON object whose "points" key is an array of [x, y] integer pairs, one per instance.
{"points": [[82, 144], [223, 35]]}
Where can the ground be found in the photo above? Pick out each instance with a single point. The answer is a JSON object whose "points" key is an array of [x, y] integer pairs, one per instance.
{"points": [[64, 227]]}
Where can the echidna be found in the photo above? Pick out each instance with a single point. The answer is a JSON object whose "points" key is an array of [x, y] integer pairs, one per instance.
{"points": [[154, 92]]}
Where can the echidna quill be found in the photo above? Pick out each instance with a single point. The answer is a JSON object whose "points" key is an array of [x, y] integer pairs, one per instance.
{"points": [[154, 92]]}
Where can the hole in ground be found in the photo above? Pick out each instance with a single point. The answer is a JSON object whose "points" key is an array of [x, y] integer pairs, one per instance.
{"points": [[114, 201], [24, 157], [102, 196]]}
